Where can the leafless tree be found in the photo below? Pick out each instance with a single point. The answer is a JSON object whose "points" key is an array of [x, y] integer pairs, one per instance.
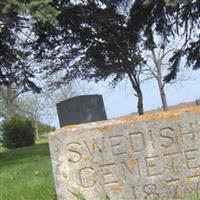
{"points": [[157, 65], [8, 100]]}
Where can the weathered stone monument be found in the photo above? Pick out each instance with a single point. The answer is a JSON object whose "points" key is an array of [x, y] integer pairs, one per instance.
{"points": [[130, 158], [81, 109]]}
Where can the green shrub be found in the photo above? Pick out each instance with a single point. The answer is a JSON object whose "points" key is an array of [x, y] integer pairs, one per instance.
{"points": [[18, 132]]}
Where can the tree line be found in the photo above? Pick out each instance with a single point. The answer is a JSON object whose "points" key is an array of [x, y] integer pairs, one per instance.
{"points": [[98, 39]]}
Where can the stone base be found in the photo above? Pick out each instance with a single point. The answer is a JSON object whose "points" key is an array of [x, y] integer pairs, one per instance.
{"points": [[130, 158]]}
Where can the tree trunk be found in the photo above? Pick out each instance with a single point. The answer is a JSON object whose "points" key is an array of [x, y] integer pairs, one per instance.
{"points": [[140, 101], [136, 87], [161, 85], [135, 81], [163, 96], [36, 130], [10, 111]]}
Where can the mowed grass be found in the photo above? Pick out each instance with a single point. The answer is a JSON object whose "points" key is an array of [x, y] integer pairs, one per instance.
{"points": [[26, 173]]}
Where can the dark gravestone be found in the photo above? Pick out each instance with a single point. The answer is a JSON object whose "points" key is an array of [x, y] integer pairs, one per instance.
{"points": [[198, 102], [81, 109]]}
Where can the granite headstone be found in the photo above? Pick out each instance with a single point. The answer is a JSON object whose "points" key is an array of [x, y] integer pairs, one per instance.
{"points": [[81, 109], [129, 158]]}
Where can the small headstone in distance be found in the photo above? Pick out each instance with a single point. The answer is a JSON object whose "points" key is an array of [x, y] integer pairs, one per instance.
{"points": [[81, 109], [198, 102]]}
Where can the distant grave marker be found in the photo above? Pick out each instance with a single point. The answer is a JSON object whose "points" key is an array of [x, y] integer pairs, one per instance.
{"points": [[130, 158], [198, 102], [81, 109]]}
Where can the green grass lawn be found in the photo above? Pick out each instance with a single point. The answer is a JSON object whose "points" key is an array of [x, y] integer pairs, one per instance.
{"points": [[26, 174]]}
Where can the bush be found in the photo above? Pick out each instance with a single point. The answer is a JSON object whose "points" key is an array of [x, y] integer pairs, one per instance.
{"points": [[18, 132]]}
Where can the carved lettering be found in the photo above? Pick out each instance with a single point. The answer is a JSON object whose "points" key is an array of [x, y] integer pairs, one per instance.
{"points": [[169, 137], [131, 170], [192, 158], [134, 193], [129, 159], [87, 177], [108, 173], [74, 149], [151, 138], [154, 166], [173, 189], [137, 141], [118, 144], [151, 191], [95, 147], [171, 162]]}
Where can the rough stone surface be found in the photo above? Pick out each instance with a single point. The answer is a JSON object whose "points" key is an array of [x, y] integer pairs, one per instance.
{"points": [[130, 158], [81, 109]]}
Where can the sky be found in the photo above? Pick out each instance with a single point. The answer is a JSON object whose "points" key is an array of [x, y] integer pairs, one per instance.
{"points": [[120, 101]]}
